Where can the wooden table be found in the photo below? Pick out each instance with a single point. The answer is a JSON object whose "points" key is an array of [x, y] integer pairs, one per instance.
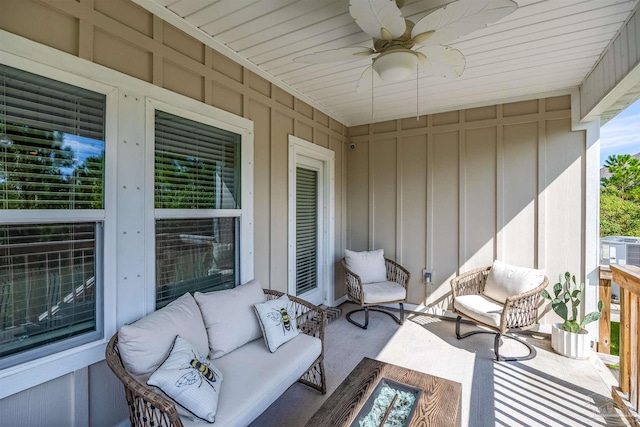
{"points": [[438, 406]]}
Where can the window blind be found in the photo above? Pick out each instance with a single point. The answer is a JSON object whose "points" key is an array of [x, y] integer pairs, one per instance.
{"points": [[194, 255], [55, 157], [306, 229], [197, 166], [47, 284]]}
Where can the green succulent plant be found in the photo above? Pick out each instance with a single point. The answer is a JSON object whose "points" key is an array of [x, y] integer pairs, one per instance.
{"points": [[567, 294]]}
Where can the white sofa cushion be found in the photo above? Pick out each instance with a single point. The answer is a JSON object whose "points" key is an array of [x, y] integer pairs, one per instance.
{"points": [[369, 265], [254, 378], [479, 308], [146, 343], [229, 317], [505, 280], [278, 322], [189, 379], [385, 291]]}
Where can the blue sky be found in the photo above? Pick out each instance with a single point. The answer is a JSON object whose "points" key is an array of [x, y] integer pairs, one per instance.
{"points": [[621, 135]]}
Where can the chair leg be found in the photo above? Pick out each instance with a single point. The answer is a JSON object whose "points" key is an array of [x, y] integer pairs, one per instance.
{"points": [[366, 315], [497, 341]]}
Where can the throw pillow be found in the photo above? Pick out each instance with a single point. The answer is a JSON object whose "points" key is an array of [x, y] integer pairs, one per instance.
{"points": [[505, 280], [369, 265], [145, 344], [189, 379], [278, 322], [229, 317]]}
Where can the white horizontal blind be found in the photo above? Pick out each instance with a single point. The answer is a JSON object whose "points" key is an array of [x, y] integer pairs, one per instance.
{"points": [[57, 155], [197, 166], [197, 169], [306, 230]]}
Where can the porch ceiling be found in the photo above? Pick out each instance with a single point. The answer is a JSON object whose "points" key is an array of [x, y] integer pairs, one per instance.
{"points": [[545, 47]]}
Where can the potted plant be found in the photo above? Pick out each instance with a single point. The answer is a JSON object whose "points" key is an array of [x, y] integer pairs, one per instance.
{"points": [[570, 338]]}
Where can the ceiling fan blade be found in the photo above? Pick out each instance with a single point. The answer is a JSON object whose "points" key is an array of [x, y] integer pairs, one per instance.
{"points": [[380, 19], [441, 61], [335, 55], [365, 82], [460, 18]]}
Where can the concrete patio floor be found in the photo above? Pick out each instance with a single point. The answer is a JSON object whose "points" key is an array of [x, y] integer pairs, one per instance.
{"points": [[549, 390]]}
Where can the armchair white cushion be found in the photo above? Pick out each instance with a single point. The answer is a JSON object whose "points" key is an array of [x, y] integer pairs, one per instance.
{"points": [[385, 291], [506, 280], [369, 265], [505, 298], [371, 280]]}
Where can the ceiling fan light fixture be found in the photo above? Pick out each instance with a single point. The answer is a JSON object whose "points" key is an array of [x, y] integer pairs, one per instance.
{"points": [[395, 66]]}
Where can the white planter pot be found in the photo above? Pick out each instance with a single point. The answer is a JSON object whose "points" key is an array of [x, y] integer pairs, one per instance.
{"points": [[570, 344]]}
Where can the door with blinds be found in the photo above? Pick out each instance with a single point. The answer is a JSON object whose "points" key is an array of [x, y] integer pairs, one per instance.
{"points": [[311, 221], [309, 230]]}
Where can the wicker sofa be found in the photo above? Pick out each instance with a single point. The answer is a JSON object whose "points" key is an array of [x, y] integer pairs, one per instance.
{"points": [[254, 377]]}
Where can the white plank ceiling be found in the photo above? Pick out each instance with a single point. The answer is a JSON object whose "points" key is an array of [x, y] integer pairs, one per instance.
{"points": [[545, 47]]}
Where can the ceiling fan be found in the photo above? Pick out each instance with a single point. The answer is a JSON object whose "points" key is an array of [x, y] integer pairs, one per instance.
{"points": [[399, 44]]}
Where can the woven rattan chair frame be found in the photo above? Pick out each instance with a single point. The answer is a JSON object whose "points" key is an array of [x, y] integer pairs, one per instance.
{"points": [[520, 312], [355, 291], [148, 408]]}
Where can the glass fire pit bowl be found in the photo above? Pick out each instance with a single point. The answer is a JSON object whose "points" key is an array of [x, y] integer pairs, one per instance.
{"points": [[391, 404]]}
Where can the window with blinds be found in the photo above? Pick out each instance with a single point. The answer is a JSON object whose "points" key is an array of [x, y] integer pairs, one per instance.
{"points": [[196, 165], [51, 163], [197, 169], [306, 230], [51, 143]]}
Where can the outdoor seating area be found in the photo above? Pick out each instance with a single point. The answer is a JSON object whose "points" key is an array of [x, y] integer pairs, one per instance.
{"points": [[319, 213], [547, 390]]}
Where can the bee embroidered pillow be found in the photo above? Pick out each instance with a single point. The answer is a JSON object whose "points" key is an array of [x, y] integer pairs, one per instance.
{"points": [[278, 321], [189, 379]]}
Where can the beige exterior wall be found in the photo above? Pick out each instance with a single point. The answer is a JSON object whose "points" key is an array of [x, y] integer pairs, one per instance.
{"points": [[120, 35], [448, 192], [454, 191]]}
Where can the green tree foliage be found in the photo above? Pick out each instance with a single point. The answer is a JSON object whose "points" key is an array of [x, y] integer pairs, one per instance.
{"points": [[625, 176], [620, 197]]}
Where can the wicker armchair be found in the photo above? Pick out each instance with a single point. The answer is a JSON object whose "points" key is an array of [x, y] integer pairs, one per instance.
{"points": [[357, 292], [148, 408], [517, 313]]}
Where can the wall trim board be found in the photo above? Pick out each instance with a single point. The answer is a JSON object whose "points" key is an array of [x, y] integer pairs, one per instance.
{"points": [[430, 129], [498, 248]]}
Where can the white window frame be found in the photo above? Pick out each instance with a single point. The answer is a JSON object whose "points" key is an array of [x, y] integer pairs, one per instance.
{"points": [[29, 374], [245, 213], [136, 301]]}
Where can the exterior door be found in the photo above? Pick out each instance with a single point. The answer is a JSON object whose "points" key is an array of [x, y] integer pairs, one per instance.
{"points": [[309, 211], [311, 218]]}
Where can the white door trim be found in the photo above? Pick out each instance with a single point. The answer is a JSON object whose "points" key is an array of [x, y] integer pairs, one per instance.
{"points": [[300, 148]]}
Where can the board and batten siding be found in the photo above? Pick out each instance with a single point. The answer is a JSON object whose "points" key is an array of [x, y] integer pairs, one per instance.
{"points": [[121, 36], [453, 191]]}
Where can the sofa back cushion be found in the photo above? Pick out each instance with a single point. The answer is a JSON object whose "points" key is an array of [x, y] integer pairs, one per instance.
{"points": [[229, 317], [505, 280], [369, 265], [146, 343]]}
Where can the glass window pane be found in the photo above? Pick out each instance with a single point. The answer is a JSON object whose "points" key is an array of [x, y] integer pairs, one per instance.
{"points": [[197, 166], [47, 284], [51, 143], [194, 255]]}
